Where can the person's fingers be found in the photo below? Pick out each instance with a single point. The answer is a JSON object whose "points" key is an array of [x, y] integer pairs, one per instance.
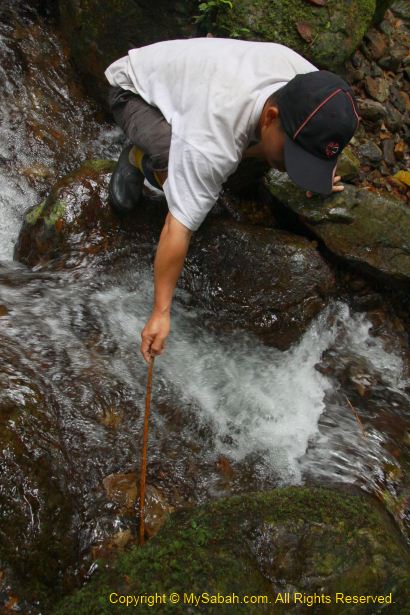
{"points": [[158, 345], [338, 188], [337, 178], [146, 346]]}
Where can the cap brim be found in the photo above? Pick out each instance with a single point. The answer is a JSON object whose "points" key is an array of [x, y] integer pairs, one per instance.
{"points": [[306, 170]]}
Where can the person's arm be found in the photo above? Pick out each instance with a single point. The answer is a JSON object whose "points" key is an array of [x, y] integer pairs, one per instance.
{"points": [[169, 261]]}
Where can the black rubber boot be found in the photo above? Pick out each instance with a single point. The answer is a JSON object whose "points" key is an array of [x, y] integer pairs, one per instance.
{"points": [[125, 187]]}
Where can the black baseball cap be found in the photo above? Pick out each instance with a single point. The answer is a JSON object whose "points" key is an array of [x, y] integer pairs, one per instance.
{"points": [[319, 115]]}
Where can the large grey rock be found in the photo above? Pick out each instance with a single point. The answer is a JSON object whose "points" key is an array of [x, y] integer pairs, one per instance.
{"points": [[365, 229], [264, 280]]}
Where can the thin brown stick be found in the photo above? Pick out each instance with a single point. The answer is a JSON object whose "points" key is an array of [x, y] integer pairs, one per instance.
{"points": [[357, 416], [144, 451]]}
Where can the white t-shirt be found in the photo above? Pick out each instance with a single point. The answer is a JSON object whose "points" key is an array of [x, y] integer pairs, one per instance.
{"points": [[212, 92]]}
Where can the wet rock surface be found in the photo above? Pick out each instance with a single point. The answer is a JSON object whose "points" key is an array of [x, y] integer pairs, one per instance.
{"points": [[220, 274], [369, 231]]}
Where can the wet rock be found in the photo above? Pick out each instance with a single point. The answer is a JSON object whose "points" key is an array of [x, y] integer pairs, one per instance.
{"points": [[157, 510], [36, 506], [290, 287], [329, 47], [375, 236], [75, 224], [47, 119], [88, 26], [372, 110], [122, 490], [306, 539], [377, 88]]}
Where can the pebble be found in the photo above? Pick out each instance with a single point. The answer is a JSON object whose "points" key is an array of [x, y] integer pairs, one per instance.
{"points": [[370, 151], [393, 119], [376, 71], [388, 151], [399, 99], [389, 63], [376, 43], [371, 109], [378, 89]]}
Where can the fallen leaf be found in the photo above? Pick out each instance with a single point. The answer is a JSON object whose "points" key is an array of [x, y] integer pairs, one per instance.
{"points": [[403, 177], [304, 30], [399, 150]]}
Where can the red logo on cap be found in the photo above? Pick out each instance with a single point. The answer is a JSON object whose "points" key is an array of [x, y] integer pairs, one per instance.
{"points": [[331, 149]]}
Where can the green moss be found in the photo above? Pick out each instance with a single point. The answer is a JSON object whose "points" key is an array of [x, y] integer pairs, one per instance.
{"points": [[99, 165], [33, 214], [231, 545], [57, 211], [337, 28]]}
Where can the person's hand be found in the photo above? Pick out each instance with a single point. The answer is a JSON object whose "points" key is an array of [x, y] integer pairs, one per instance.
{"points": [[336, 187], [154, 335]]}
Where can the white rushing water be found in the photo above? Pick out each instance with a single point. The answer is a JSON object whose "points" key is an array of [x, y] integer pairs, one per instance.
{"points": [[38, 113], [257, 399]]}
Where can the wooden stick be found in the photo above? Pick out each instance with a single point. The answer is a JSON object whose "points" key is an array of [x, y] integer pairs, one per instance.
{"points": [[144, 451], [357, 416]]}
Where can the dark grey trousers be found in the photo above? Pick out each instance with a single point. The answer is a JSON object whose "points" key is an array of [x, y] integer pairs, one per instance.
{"points": [[143, 124]]}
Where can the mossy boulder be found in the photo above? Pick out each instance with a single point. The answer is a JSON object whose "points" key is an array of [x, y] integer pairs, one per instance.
{"points": [[73, 223], [336, 28], [369, 231], [301, 540], [100, 32]]}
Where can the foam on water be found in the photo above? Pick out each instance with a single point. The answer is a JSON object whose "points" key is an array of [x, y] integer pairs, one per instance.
{"points": [[258, 400]]}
